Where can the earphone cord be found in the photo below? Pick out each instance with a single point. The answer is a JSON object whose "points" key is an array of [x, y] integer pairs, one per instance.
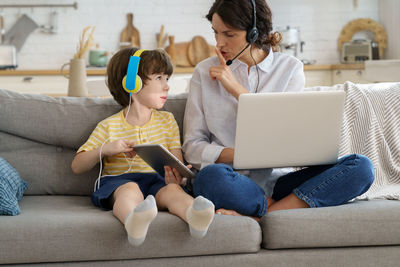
{"points": [[258, 75], [97, 182]]}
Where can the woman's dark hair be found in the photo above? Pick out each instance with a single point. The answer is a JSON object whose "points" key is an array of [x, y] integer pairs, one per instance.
{"points": [[238, 14], [151, 62]]}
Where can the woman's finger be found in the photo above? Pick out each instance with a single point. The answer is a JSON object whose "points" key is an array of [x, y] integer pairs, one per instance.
{"points": [[221, 59]]}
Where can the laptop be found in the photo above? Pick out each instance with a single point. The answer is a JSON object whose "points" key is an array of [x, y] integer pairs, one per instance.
{"points": [[288, 129]]}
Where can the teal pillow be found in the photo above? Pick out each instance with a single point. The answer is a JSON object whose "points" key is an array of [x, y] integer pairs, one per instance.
{"points": [[12, 188]]}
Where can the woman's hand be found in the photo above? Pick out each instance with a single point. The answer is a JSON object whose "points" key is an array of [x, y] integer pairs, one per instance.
{"points": [[224, 74], [119, 146], [172, 176]]}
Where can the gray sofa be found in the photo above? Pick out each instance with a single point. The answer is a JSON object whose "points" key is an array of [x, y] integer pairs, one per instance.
{"points": [[58, 224]]}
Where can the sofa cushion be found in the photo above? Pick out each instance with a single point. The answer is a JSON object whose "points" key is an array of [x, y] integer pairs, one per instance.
{"points": [[63, 121], [70, 228], [39, 136], [12, 188], [359, 223], [46, 168]]}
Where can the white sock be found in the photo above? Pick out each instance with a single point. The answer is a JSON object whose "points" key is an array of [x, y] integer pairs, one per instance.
{"points": [[137, 222], [200, 216]]}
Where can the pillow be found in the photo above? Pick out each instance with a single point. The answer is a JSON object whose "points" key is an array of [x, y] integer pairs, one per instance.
{"points": [[12, 188]]}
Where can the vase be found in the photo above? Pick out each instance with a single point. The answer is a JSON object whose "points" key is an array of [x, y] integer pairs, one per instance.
{"points": [[76, 77]]}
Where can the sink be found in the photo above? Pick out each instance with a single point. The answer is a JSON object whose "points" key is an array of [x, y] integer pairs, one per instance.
{"points": [[385, 70]]}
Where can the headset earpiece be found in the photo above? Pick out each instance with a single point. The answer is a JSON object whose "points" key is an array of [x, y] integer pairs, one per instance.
{"points": [[132, 83], [252, 33], [138, 85]]}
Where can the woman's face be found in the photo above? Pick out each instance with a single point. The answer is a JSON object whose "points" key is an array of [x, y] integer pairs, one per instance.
{"points": [[230, 41]]}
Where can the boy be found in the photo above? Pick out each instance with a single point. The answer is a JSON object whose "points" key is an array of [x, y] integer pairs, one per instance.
{"points": [[128, 185]]}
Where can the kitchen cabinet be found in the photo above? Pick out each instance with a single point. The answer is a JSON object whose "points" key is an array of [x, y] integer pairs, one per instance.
{"points": [[328, 75], [355, 76], [57, 85], [35, 84], [318, 77], [50, 82]]}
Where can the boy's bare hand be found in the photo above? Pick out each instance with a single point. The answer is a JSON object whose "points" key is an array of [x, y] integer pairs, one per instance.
{"points": [[119, 146], [173, 176]]}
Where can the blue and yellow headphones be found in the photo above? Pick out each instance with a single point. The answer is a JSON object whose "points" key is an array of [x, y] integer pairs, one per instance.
{"points": [[132, 83]]}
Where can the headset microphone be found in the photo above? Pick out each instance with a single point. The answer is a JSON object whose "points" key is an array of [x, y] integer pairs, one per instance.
{"points": [[229, 62]]}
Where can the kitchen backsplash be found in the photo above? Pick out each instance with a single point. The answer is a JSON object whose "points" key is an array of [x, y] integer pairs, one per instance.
{"points": [[319, 21]]}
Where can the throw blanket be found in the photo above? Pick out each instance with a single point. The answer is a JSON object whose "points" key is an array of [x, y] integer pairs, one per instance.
{"points": [[371, 127]]}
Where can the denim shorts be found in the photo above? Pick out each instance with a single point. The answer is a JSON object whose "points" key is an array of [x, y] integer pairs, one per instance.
{"points": [[149, 184]]}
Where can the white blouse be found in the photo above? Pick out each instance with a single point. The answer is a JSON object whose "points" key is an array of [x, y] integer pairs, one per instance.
{"points": [[210, 115]]}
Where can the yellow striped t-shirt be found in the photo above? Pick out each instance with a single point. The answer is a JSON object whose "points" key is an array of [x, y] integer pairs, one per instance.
{"points": [[160, 129]]}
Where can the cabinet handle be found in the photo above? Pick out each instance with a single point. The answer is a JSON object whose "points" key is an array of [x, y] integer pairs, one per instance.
{"points": [[27, 79], [338, 72], [359, 73]]}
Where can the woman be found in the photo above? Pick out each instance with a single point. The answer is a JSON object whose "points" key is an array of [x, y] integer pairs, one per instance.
{"points": [[245, 42]]}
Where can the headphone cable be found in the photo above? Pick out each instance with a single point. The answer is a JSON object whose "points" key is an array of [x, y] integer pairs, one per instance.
{"points": [[97, 182], [258, 75]]}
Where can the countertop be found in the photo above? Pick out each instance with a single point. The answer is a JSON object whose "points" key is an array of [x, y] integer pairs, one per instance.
{"points": [[102, 71]]}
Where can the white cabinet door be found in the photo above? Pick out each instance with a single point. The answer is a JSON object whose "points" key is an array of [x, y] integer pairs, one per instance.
{"points": [[57, 85], [355, 76], [318, 78], [36, 84]]}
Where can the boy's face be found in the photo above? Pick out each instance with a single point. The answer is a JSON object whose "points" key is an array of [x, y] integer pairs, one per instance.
{"points": [[155, 91]]}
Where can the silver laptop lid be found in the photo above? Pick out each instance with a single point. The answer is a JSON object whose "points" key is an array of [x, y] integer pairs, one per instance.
{"points": [[288, 129]]}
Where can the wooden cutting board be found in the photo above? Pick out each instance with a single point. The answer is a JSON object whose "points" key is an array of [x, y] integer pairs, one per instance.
{"points": [[198, 50], [188, 54], [178, 52], [130, 34]]}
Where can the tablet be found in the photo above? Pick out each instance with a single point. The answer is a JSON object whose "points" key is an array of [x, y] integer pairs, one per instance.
{"points": [[157, 157]]}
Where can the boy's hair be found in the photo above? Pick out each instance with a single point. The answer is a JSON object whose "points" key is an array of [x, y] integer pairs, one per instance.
{"points": [[151, 62]]}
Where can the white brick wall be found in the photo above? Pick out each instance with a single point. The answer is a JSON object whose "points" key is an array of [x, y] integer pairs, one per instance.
{"points": [[320, 22], [389, 11]]}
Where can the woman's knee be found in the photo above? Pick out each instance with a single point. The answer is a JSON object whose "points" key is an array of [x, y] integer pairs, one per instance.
{"points": [[212, 174], [366, 168], [363, 170]]}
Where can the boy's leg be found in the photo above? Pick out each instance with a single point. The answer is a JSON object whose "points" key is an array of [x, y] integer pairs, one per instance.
{"points": [[133, 212], [198, 213], [138, 221], [125, 199]]}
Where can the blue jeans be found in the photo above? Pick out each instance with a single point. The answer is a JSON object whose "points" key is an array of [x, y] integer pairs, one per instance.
{"points": [[318, 186]]}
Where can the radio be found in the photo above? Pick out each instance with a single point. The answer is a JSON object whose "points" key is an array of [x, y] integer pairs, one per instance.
{"points": [[358, 51]]}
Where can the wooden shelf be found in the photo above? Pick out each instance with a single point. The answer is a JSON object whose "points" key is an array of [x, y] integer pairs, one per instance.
{"points": [[102, 71], [89, 72], [334, 67]]}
